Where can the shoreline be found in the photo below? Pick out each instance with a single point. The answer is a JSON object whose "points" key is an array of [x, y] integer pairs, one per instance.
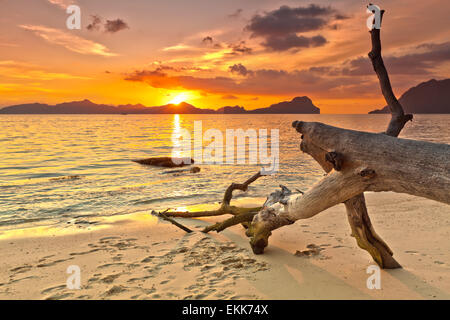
{"points": [[138, 257]]}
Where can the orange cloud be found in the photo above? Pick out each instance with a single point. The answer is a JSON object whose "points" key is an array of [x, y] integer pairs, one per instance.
{"points": [[69, 41], [62, 3], [350, 78], [257, 82], [21, 70]]}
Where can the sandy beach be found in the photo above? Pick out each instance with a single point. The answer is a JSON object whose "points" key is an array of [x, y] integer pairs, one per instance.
{"points": [[138, 257]]}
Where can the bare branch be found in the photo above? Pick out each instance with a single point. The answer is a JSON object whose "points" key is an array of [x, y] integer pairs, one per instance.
{"points": [[399, 118], [240, 218], [238, 186], [373, 162], [225, 207], [164, 217]]}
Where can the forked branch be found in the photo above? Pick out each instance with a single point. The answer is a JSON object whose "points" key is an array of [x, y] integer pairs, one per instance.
{"points": [[331, 160], [241, 215]]}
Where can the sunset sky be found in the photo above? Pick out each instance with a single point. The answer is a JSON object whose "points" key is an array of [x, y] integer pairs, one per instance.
{"points": [[213, 53]]}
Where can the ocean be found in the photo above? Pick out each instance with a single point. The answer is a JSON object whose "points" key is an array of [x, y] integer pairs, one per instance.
{"points": [[57, 169]]}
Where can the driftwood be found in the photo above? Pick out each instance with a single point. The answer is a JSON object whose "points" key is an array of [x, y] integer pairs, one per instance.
{"points": [[163, 216], [190, 170], [357, 214], [167, 162], [357, 162], [369, 162], [240, 215]]}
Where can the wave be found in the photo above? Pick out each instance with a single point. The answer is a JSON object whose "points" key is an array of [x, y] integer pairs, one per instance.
{"points": [[184, 197]]}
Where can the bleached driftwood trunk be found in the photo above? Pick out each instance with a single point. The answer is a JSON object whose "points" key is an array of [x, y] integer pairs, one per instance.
{"points": [[355, 162], [358, 162], [362, 161]]}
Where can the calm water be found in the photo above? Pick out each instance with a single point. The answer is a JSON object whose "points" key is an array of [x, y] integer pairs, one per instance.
{"points": [[36, 151]]}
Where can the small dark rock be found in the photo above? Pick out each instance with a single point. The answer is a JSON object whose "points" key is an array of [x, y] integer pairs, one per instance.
{"points": [[167, 162], [191, 170]]}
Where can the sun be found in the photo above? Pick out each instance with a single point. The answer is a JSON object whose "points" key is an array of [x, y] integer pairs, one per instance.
{"points": [[179, 98]]}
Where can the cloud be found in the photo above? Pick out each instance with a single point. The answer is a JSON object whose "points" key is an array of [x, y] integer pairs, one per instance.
{"points": [[235, 14], [110, 26], [280, 27], [422, 62], [350, 78], [20, 90], [62, 3], [257, 82], [212, 43], [69, 41], [22, 70], [180, 47], [293, 41], [96, 22], [239, 69], [229, 97], [113, 26], [207, 40], [240, 48], [340, 16], [287, 20]]}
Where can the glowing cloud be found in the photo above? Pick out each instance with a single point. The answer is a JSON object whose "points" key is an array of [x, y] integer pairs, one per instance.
{"points": [[62, 3], [21, 70], [69, 41]]}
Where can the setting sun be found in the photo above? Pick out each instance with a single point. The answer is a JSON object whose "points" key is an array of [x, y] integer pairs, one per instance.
{"points": [[179, 98]]}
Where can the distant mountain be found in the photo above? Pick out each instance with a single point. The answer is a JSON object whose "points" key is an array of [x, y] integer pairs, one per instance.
{"points": [[181, 108], [297, 105], [88, 107], [428, 97], [233, 110]]}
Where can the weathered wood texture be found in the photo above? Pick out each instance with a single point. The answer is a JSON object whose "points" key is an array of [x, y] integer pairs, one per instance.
{"points": [[368, 162], [240, 215], [357, 214]]}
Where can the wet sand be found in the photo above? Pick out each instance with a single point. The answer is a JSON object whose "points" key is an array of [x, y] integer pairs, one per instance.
{"points": [[138, 257]]}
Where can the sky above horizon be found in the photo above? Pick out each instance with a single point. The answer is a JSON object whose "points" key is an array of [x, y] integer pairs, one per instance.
{"points": [[213, 53]]}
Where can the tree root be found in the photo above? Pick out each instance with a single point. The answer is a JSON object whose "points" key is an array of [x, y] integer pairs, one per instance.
{"points": [[365, 235], [241, 215], [243, 218]]}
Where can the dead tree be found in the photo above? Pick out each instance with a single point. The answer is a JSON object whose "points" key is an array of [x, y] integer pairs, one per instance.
{"points": [[240, 215], [356, 162], [368, 162]]}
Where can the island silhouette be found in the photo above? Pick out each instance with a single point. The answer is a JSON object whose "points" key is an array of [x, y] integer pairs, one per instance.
{"points": [[297, 105]]}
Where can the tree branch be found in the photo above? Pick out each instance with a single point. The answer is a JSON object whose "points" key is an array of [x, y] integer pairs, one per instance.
{"points": [[398, 119], [358, 217], [225, 207], [238, 186], [372, 162], [175, 223], [240, 218]]}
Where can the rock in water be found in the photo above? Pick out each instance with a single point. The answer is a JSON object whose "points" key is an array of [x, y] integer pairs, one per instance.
{"points": [[167, 162], [195, 170], [191, 170]]}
